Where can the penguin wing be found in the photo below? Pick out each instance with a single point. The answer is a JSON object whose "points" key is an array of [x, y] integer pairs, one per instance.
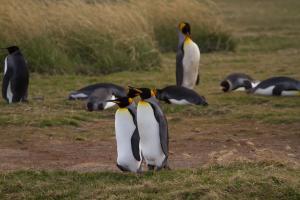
{"points": [[135, 138], [163, 128], [179, 67], [198, 79], [5, 82], [135, 142], [277, 90]]}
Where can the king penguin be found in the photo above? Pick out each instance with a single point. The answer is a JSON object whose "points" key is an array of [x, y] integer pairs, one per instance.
{"points": [[85, 92], [180, 95], [238, 82], [278, 86], [153, 129], [127, 135], [16, 76], [187, 58]]}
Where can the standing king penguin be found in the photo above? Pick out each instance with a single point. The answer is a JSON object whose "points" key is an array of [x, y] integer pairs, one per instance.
{"points": [[127, 136], [153, 129], [16, 76], [187, 58]]}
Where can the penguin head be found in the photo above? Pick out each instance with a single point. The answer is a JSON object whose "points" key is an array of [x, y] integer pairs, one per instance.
{"points": [[185, 28], [248, 84], [144, 93], [225, 85], [12, 49], [122, 101], [132, 92], [203, 101]]}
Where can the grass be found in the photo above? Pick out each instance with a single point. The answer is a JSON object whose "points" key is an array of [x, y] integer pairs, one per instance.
{"points": [[269, 44], [236, 181], [102, 37]]}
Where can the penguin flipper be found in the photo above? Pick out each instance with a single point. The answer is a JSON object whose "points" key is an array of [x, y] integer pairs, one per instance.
{"points": [[179, 67], [198, 79], [277, 90], [135, 138], [135, 141], [163, 128]]}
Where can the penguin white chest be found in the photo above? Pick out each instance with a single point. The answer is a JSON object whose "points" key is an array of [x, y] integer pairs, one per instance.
{"points": [[125, 127], [5, 65], [191, 63], [265, 91], [149, 134], [179, 102], [110, 104]]}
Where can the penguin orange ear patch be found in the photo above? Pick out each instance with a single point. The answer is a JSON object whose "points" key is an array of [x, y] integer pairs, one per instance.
{"points": [[181, 25], [153, 92]]}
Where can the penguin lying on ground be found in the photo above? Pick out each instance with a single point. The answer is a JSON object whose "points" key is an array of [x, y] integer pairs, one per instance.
{"points": [[85, 92], [98, 94], [153, 129], [180, 96], [16, 76], [278, 86], [187, 58], [127, 135], [238, 82]]}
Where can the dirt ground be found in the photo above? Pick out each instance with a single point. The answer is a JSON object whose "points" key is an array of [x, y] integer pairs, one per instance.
{"points": [[220, 144]]}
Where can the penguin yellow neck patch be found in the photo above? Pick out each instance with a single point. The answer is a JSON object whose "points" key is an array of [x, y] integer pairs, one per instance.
{"points": [[143, 103], [187, 40], [122, 109]]}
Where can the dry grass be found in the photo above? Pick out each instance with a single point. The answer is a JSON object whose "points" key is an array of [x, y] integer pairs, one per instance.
{"points": [[36, 18], [81, 37]]}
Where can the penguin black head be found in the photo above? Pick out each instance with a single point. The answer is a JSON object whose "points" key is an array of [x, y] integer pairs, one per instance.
{"points": [[132, 92], [12, 49], [144, 93], [90, 106], [247, 84], [122, 102], [185, 28], [203, 101], [225, 86]]}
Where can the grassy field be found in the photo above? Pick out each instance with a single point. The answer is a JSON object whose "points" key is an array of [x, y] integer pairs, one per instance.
{"points": [[237, 181], [106, 36], [238, 147]]}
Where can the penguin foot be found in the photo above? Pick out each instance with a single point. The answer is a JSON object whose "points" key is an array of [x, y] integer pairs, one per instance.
{"points": [[151, 167], [123, 169]]}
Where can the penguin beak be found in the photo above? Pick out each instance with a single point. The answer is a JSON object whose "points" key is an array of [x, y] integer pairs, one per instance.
{"points": [[114, 101], [135, 89]]}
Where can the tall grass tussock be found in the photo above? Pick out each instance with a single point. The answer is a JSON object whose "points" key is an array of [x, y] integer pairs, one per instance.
{"points": [[91, 37]]}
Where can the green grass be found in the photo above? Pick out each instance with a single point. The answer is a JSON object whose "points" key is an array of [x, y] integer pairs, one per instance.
{"points": [[208, 40], [269, 42], [236, 181]]}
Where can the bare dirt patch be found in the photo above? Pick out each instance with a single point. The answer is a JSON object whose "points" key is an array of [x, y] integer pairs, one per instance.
{"points": [[220, 143]]}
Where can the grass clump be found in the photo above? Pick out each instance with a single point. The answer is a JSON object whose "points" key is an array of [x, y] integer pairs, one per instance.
{"points": [[207, 29], [88, 37], [236, 181]]}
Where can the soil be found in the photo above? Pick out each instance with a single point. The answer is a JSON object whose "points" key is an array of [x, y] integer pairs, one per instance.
{"points": [[197, 147]]}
